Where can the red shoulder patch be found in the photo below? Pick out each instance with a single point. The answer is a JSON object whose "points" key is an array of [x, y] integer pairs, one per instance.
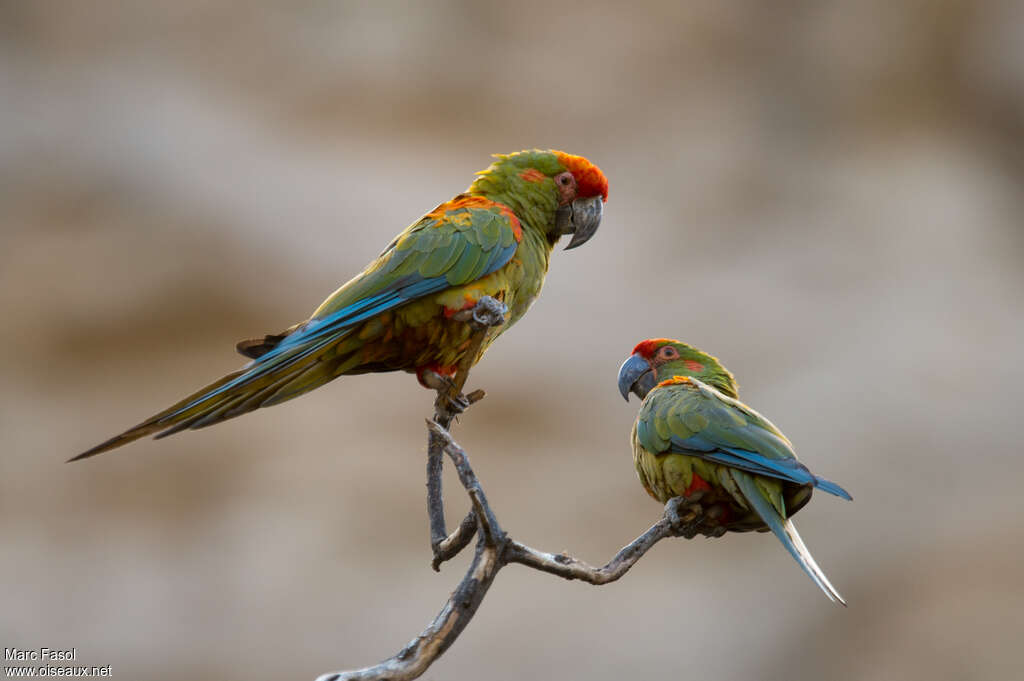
{"points": [[590, 181]]}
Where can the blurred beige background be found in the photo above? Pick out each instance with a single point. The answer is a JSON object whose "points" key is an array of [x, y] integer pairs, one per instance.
{"points": [[826, 195]]}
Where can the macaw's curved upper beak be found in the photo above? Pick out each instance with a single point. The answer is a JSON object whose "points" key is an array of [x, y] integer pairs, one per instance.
{"points": [[581, 218], [636, 376]]}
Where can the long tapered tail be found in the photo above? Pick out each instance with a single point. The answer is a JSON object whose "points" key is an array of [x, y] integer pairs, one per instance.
{"points": [[257, 385], [784, 529]]}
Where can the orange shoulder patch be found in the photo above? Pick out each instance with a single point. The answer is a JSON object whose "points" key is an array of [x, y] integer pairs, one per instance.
{"points": [[468, 201]]}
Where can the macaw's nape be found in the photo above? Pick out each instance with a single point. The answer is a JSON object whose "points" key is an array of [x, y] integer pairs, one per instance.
{"points": [[695, 440], [494, 239]]}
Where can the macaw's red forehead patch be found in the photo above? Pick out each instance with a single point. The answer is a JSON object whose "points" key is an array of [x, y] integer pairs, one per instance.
{"points": [[648, 347], [590, 181]]}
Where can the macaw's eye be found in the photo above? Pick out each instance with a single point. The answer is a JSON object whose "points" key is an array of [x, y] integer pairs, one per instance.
{"points": [[566, 184], [668, 352]]}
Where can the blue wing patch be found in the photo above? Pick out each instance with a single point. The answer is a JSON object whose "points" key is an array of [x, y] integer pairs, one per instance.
{"points": [[783, 469]]}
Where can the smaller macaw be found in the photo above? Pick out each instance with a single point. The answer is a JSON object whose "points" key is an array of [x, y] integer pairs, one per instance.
{"points": [[695, 440]]}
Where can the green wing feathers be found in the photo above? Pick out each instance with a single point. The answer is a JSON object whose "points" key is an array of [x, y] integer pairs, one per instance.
{"points": [[696, 410], [689, 436], [457, 243]]}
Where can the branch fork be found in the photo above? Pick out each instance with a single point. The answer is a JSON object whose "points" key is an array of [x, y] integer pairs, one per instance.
{"points": [[494, 547]]}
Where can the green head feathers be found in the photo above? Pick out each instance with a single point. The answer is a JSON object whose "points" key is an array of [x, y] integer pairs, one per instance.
{"points": [[538, 185]]}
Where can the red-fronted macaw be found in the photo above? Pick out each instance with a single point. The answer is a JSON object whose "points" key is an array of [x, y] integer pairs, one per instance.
{"points": [[495, 239], [695, 440]]}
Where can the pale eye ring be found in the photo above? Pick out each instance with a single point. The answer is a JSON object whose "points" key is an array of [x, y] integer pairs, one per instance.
{"points": [[565, 179], [668, 352]]}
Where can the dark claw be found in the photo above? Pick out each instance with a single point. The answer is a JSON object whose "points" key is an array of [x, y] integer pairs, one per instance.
{"points": [[455, 405], [686, 532], [459, 403]]}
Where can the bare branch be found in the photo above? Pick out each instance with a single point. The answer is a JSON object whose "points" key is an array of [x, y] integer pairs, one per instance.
{"points": [[486, 521], [486, 314], [494, 550], [435, 504], [453, 544], [414, 659], [443, 545], [564, 565]]}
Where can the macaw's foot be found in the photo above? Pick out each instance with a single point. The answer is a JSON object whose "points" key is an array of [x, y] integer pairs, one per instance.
{"points": [[445, 387], [710, 517], [685, 516], [487, 312], [456, 405]]}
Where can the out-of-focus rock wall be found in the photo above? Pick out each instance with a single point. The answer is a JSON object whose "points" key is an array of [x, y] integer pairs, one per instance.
{"points": [[825, 195]]}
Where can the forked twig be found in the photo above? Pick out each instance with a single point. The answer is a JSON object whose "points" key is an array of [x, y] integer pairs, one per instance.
{"points": [[495, 550], [485, 315]]}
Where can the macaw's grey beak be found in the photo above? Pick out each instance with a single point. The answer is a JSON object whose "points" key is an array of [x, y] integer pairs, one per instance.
{"points": [[635, 376], [581, 218]]}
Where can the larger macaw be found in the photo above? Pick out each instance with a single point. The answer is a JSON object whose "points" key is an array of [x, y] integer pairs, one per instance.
{"points": [[693, 439], [495, 239]]}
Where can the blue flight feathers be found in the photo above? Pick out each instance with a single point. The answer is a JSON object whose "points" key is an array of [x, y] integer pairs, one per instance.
{"points": [[784, 469]]}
